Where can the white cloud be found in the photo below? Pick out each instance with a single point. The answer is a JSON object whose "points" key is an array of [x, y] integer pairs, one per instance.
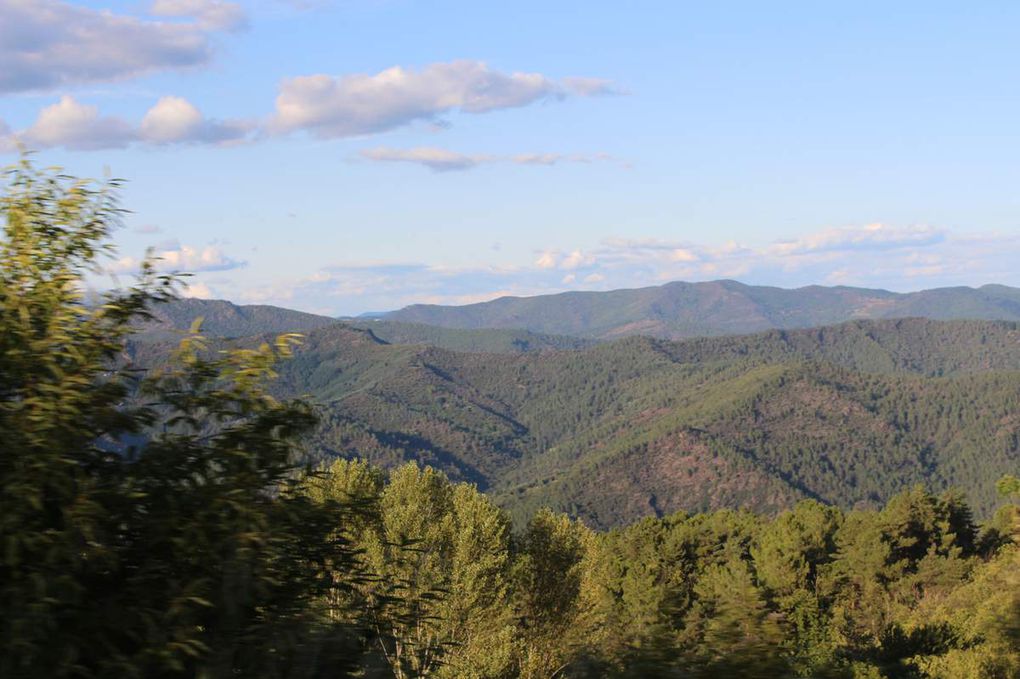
{"points": [[196, 260], [182, 258], [576, 259], [176, 120], [171, 119], [867, 237], [440, 160], [590, 87], [45, 44], [197, 291], [537, 158], [78, 126], [683, 255], [213, 15], [444, 160], [867, 255], [546, 260], [360, 104], [556, 158]]}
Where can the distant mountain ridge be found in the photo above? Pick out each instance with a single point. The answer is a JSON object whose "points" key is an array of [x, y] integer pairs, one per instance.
{"points": [[226, 319], [681, 310], [847, 414], [221, 318]]}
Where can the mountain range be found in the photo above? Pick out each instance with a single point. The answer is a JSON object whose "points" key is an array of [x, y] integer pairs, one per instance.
{"points": [[679, 310], [611, 431]]}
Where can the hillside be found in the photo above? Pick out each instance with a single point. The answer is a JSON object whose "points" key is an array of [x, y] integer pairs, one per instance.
{"points": [[225, 319], [481, 340], [848, 414], [681, 310]]}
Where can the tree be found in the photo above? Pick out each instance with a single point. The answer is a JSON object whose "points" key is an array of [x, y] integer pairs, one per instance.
{"points": [[151, 525], [731, 631], [789, 555], [441, 552], [557, 594]]}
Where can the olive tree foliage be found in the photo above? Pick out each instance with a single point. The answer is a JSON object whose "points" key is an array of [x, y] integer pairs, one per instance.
{"points": [[149, 523]]}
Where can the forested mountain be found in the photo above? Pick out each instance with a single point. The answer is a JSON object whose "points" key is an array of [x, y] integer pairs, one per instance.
{"points": [[848, 414], [679, 310], [480, 340], [225, 319]]}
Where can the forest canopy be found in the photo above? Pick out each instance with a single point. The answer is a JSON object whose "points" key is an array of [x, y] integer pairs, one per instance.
{"points": [[159, 524]]}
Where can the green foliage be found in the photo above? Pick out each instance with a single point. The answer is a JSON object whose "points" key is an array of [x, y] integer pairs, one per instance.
{"points": [[440, 553], [558, 596], [167, 538], [903, 591], [1008, 486]]}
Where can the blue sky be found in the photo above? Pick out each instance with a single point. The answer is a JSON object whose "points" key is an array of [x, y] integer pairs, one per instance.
{"points": [[344, 156]]}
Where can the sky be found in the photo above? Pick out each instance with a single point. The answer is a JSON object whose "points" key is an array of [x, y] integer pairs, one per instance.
{"points": [[346, 156]]}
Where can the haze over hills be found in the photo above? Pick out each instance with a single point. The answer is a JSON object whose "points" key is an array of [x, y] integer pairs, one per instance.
{"points": [[848, 414], [680, 310]]}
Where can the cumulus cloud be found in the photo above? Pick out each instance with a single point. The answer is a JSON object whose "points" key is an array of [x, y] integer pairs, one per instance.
{"points": [[45, 44], [183, 258], [197, 260], [444, 160], [171, 119], [576, 259], [176, 120], [213, 15], [556, 259], [78, 126], [547, 260], [359, 104]]}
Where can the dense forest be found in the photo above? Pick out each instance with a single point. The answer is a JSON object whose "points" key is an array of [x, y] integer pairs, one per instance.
{"points": [[160, 522], [847, 415]]}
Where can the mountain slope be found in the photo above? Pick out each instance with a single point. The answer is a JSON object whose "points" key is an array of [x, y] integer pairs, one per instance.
{"points": [[680, 310], [848, 414], [483, 340], [225, 319]]}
